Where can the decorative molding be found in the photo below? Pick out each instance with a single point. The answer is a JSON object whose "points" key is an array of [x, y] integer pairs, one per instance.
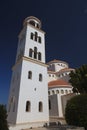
{"points": [[31, 60]]}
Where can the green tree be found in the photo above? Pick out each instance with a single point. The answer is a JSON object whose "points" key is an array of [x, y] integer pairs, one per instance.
{"points": [[76, 111], [78, 79], [3, 118]]}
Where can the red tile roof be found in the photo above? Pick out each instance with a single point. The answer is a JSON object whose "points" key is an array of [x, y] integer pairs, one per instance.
{"points": [[58, 83], [66, 69], [51, 72]]}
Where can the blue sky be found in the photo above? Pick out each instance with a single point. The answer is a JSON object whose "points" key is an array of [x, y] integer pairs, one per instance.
{"points": [[65, 24]]}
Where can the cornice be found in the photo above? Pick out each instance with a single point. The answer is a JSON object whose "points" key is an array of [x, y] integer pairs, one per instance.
{"points": [[30, 60], [34, 61]]}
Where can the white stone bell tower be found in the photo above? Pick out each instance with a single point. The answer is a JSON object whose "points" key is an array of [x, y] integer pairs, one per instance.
{"points": [[28, 98]]}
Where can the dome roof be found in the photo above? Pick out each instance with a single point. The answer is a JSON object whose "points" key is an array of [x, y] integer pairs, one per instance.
{"points": [[58, 83], [57, 61]]}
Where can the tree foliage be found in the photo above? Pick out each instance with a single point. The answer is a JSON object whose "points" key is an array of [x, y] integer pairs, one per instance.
{"points": [[76, 111], [78, 79], [3, 118]]}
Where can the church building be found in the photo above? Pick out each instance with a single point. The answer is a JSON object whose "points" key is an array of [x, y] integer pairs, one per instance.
{"points": [[59, 89], [37, 89]]}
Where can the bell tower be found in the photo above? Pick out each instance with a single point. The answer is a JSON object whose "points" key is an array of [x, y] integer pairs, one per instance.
{"points": [[28, 97]]}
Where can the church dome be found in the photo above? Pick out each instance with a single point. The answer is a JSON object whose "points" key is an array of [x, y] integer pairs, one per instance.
{"points": [[58, 83]]}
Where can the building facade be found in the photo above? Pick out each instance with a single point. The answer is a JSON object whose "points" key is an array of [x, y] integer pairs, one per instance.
{"points": [[37, 89], [59, 89]]}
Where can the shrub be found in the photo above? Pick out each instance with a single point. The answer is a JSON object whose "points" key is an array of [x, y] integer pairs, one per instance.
{"points": [[3, 118], [76, 111]]}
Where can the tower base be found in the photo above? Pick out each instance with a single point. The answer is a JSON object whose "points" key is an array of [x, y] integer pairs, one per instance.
{"points": [[27, 125]]}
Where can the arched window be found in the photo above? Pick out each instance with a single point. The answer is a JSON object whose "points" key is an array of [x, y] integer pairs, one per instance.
{"points": [[30, 52], [62, 91], [57, 91], [32, 23], [38, 25], [53, 92], [69, 91], [36, 35], [66, 91], [39, 39], [39, 56], [40, 106], [35, 49], [35, 52], [48, 92], [28, 106], [49, 104], [29, 74], [40, 77], [32, 36]]}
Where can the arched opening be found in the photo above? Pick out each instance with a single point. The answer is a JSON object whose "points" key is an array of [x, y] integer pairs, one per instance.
{"points": [[49, 93], [70, 91], [28, 106], [66, 91], [36, 35], [35, 52], [40, 77], [30, 52], [57, 91], [62, 91], [53, 92], [32, 36], [40, 106], [39, 39], [29, 74], [49, 104], [32, 23], [38, 25], [39, 56]]}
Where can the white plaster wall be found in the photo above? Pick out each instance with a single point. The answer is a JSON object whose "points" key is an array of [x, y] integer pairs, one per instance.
{"points": [[54, 106], [14, 92], [51, 77], [31, 43], [51, 67], [21, 43], [59, 66], [56, 101], [27, 92], [66, 78]]}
